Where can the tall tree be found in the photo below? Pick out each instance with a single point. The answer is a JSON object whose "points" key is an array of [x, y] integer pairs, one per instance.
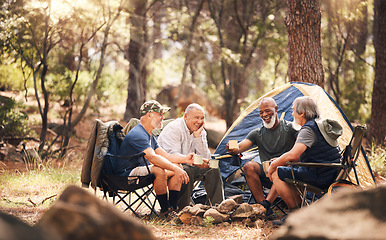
{"points": [[31, 35], [344, 44], [242, 29], [378, 110], [188, 60], [136, 54], [303, 24]]}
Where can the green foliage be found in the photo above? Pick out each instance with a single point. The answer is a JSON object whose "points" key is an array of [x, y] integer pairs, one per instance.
{"points": [[377, 159], [347, 56], [14, 121], [208, 221], [11, 77]]}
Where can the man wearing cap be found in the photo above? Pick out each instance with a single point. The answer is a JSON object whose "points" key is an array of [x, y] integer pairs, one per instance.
{"points": [[183, 136], [169, 175], [316, 143]]}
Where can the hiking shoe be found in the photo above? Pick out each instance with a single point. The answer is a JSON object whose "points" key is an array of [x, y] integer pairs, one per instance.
{"points": [[270, 215], [169, 215], [279, 222], [164, 215]]}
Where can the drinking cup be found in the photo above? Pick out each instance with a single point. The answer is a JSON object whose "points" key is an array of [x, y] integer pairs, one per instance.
{"points": [[213, 163], [198, 159], [233, 144]]}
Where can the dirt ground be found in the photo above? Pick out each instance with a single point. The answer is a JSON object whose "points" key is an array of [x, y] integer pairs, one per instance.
{"points": [[161, 229]]}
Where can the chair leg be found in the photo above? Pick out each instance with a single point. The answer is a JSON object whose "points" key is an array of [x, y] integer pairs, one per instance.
{"points": [[142, 198], [304, 197]]}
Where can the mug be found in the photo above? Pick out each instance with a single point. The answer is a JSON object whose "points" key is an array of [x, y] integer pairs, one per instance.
{"points": [[233, 144], [213, 163], [198, 159]]}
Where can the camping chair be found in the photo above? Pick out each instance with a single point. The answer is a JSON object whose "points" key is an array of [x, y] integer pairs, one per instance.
{"points": [[309, 193], [277, 202], [133, 192]]}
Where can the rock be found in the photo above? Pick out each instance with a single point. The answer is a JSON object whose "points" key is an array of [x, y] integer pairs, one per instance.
{"points": [[10, 153], [224, 224], [31, 156], [259, 210], [78, 215], [344, 215], [197, 220], [259, 223], [12, 228], [249, 223], [237, 198], [199, 209], [227, 206], [217, 216], [185, 217], [185, 209], [244, 211]]}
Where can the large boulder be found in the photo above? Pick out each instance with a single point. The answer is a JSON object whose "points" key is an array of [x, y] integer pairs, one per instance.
{"points": [[345, 215], [12, 228], [79, 214]]}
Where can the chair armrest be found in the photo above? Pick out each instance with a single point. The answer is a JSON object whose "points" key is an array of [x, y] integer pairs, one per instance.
{"points": [[331, 165]]}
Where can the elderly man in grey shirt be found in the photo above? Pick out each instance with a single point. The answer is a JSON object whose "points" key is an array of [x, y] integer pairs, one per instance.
{"points": [[186, 135]]}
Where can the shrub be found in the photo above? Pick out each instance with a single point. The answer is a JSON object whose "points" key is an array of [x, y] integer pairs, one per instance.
{"points": [[14, 121], [377, 159]]}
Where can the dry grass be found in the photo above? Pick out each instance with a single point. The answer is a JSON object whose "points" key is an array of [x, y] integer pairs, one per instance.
{"points": [[233, 231], [27, 193]]}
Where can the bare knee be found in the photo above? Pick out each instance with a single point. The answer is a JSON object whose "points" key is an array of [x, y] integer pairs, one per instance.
{"points": [[159, 173], [251, 168]]}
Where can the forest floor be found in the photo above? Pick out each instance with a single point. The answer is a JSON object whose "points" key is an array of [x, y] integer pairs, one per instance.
{"points": [[26, 201], [23, 190]]}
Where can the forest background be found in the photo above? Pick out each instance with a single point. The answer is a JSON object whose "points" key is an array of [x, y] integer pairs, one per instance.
{"points": [[84, 59], [87, 53]]}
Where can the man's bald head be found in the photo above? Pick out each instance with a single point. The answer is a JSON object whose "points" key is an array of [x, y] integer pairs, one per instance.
{"points": [[268, 101]]}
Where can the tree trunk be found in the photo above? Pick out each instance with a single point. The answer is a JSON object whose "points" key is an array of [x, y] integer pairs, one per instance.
{"points": [[159, 13], [378, 112], [304, 47], [136, 56]]}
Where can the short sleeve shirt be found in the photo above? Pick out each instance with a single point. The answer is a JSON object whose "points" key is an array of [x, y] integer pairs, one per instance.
{"points": [[306, 136], [273, 142], [136, 141]]}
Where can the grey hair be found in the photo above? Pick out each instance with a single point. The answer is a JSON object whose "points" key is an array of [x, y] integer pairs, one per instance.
{"points": [[308, 106], [194, 106]]}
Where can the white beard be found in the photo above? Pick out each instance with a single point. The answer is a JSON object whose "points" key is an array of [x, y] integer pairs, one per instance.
{"points": [[296, 124], [271, 122]]}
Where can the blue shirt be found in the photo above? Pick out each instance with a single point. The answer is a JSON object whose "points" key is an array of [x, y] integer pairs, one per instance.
{"points": [[136, 141]]}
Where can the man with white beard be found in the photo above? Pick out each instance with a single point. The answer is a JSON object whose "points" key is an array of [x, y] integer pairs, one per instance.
{"points": [[273, 139]]}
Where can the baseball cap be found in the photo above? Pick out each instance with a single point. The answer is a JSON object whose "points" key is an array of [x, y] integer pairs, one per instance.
{"points": [[152, 106]]}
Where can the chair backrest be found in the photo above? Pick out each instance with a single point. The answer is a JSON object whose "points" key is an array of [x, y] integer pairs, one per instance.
{"points": [[115, 142], [97, 146], [351, 152]]}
